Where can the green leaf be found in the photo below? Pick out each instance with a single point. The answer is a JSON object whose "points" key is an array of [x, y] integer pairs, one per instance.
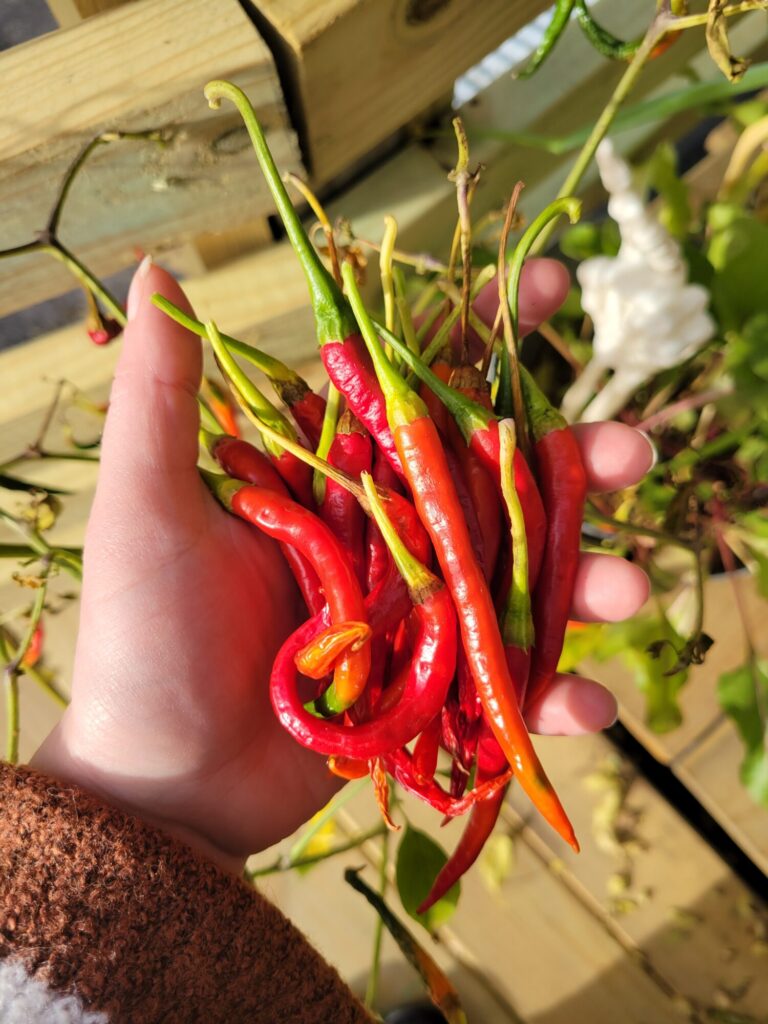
{"points": [[631, 642], [582, 241], [419, 861], [743, 694], [738, 250], [661, 173]]}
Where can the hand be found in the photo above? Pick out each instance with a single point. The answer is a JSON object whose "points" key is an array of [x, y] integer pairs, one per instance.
{"points": [[185, 606]]}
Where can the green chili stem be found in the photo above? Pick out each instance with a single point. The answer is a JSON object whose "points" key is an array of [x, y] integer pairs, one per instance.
{"points": [[257, 402], [597, 516], [207, 420], [404, 311], [349, 792], [271, 367], [318, 464], [440, 989], [79, 270], [403, 404], [419, 579], [469, 415], [327, 434], [334, 321], [372, 986], [517, 621], [385, 270], [281, 864], [67, 559], [437, 344]]}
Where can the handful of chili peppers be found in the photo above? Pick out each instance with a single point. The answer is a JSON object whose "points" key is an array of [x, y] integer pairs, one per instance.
{"points": [[430, 512]]}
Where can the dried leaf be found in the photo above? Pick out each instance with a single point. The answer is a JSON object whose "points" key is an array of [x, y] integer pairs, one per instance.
{"points": [[719, 45]]}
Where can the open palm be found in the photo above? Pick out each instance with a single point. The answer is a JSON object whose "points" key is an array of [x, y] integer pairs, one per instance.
{"points": [[184, 607]]}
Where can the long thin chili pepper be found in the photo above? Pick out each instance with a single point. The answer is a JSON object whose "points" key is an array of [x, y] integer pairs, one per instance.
{"points": [[517, 629], [604, 42], [244, 462], [341, 347], [555, 28], [480, 429], [377, 557], [306, 407], [290, 523], [563, 487], [424, 464], [490, 767], [350, 452], [430, 672]]}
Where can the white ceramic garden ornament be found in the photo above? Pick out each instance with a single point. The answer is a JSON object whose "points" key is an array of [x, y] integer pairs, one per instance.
{"points": [[646, 316]]}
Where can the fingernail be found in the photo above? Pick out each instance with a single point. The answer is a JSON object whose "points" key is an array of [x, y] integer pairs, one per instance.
{"points": [[652, 446], [136, 291]]}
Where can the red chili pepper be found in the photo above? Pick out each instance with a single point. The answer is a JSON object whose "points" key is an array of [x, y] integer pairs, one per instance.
{"points": [[426, 749], [318, 657], [244, 462], [377, 560], [340, 510], [437, 410], [426, 469], [483, 494], [485, 813], [341, 347], [288, 522], [563, 487], [429, 673], [480, 429], [221, 405], [400, 766]]}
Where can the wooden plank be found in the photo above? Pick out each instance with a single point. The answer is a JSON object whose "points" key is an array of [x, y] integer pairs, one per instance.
{"points": [[711, 772], [569, 91], [141, 66], [70, 12], [356, 71], [659, 888]]}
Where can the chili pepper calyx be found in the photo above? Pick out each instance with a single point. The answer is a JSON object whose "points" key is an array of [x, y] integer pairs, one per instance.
{"points": [[224, 488], [542, 415]]}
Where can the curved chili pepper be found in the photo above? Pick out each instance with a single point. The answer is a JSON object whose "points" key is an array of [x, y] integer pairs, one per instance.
{"points": [[490, 766], [429, 676], [554, 30], [244, 462], [426, 469], [286, 521], [350, 452], [341, 347], [564, 487], [318, 657], [480, 429], [437, 410]]}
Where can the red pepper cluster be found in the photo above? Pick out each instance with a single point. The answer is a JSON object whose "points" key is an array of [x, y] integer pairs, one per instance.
{"points": [[437, 564]]}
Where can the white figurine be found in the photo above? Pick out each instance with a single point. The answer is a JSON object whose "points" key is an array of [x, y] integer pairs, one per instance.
{"points": [[646, 316]]}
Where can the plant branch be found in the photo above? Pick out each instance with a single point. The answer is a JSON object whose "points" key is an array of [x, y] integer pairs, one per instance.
{"points": [[289, 863]]}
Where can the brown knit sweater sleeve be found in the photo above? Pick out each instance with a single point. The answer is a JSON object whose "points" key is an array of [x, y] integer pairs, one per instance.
{"points": [[99, 910]]}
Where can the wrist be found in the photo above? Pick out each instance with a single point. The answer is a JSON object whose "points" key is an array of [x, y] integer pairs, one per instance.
{"points": [[56, 759]]}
